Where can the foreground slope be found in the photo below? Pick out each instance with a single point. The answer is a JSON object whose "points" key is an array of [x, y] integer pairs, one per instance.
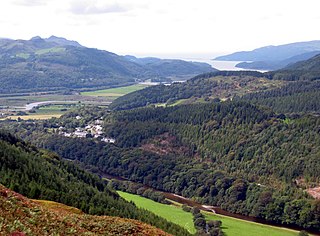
{"points": [[19, 214], [42, 175]]}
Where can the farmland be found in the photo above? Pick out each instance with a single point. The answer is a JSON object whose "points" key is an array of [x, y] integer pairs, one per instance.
{"points": [[115, 92], [13, 105]]}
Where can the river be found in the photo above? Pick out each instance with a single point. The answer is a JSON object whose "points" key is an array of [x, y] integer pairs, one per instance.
{"points": [[30, 106], [217, 210]]}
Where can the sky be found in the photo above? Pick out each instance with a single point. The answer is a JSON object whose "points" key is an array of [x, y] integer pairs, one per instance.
{"points": [[168, 27]]}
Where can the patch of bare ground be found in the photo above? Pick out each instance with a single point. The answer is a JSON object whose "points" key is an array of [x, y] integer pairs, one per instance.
{"points": [[22, 216], [313, 189], [165, 144], [314, 192]]}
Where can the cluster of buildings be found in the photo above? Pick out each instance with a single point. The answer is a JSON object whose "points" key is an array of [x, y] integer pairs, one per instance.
{"points": [[90, 131]]}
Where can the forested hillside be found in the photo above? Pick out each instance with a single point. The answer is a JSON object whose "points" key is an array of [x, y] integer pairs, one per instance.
{"points": [[233, 154], [304, 70], [56, 64], [244, 141], [215, 86], [43, 175], [296, 97]]}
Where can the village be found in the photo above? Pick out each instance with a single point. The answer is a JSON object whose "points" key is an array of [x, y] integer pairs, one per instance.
{"points": [[91, 130]]}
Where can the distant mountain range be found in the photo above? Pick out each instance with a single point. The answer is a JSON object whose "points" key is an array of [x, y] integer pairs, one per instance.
{"points": [[274, 57], [303, 70], [57, 63]]}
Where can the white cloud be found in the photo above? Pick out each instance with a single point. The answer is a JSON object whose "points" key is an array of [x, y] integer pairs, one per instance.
{"points": [[85, 7], [30, 3], [166, 26]]}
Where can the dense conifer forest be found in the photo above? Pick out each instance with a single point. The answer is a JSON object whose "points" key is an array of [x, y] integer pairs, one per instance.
{"points": [[41, 174], [235, 155], [247, 142]]}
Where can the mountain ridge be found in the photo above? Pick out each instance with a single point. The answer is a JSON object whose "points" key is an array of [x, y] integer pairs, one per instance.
{"points": [[302, 70], [276, 65], [56, 63], [281, 52]]}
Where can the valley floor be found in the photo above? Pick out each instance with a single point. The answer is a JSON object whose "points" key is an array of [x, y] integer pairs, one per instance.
{"points": [[230, 226]]}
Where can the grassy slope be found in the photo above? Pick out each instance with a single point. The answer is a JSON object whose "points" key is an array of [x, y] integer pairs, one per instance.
{"points": [[20, 215], [230, 226], [115, 92], [169, 212]]}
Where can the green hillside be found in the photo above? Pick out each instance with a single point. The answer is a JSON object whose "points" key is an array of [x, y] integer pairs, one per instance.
{"points": [[234, 155], [216, 86], [58, 64], [43, 175], [303, 70]]}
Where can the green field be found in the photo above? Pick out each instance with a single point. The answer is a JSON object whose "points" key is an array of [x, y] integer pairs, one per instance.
{"points": [[56, 109], [115, 92], [230, 226], [237, 227], [171, 213], [44, 112], [50, 50]]}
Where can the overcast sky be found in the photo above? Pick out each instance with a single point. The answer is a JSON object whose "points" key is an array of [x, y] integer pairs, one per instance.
{"points": [[151, 27]]}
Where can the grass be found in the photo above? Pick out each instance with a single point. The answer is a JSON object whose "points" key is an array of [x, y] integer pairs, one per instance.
{"points": [[171, 213], [230, 226], [236, 227], [23, 55], [58, 206], [50, 50], [55, 109], [33, 117], [45, 112], [115, 92]]}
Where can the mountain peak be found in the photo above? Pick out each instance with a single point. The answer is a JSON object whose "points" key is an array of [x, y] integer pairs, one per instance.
{"points": [[63, 41], [36, 38]]}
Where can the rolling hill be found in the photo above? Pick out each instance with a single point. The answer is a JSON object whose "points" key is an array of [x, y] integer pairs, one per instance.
{"points": [[56, 63], [276, 65], [273, 53], [274, 57], [303, 70], [216, 86]]}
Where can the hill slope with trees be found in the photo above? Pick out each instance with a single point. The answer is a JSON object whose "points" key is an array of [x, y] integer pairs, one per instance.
{"points": [[43, 175], [216, 86], [234, 155], [304, 70], [56, 63]]}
